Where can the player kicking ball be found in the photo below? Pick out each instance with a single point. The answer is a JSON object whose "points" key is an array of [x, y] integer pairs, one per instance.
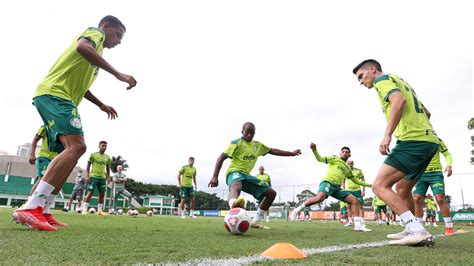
{"points": [[338, 170], [244, 153]]}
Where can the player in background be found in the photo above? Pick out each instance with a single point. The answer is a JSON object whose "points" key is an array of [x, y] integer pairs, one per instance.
{"points": [[433, 177], [417, 143], [265, 178], [186, 178], [57, 98], [356, 190], [119, 179], [379, 208], [338, 170], [430, 211], [77, 192], [343, 212], [97, 177], [244, 153]]}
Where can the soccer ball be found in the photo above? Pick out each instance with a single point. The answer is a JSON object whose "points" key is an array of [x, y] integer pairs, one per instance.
{"points": [[237, 221], [112, 212], [120, 212], [149, 213], [135, 213], [130, 212], [92, 210], [78, 210]]}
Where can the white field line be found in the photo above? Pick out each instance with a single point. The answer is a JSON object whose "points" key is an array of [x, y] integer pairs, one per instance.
{"points": [[257, 258]]}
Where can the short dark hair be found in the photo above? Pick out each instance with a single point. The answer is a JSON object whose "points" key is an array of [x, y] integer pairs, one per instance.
{"points": [[191, 158], [102, 142], [248, 124], [345, 148], [372, 62], [113, 21]]}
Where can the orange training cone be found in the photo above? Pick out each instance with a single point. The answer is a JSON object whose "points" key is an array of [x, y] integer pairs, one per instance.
{"points": [[283, 251]]}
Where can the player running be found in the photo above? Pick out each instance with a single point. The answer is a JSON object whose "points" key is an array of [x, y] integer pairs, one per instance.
{"points": [[186, 178]]}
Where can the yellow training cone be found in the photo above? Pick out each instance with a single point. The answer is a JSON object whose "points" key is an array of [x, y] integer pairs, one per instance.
{"points": [[461, 231], [283, 251]]}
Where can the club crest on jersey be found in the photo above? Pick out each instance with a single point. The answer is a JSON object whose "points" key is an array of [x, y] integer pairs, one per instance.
{"points": [[255, 148], [76, 122]]}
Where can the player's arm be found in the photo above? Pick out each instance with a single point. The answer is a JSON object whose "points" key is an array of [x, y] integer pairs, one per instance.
{"points": [[112, 114], [220, 160], [320, 158], [270, 184], [88, 169], [397, 101], [449, 162], [194, 181], [343, 185], [427, 112], [278, 152], [34, 143], [107, 173], [363, 188], [84, 47], [179, 179], [360, 182]]}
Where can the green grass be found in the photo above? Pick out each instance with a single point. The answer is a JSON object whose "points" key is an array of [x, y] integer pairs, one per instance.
{"points": [[91, 239]]}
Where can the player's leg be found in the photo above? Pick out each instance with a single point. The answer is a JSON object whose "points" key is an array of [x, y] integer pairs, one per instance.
{"points": [[320, 197], [263, 193], [90, 192], [102, 187], [419, 199], [182, 194], [234, 181], [192, 202], [437, 187], [354, 208]]}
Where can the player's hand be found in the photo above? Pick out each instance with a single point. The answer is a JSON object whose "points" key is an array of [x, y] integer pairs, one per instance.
{"points": [[108, 181], [32, 159], [127, 78], [448, 170], [112, 114], [296, 152], [180, 186], [385, 145], [214, 182], [312, 146]]}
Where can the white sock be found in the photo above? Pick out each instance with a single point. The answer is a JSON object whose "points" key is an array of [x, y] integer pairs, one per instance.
{"points": [[191, 212], [350, 220], [99, 207], [448, 222], [48, 203], [39, 196], [231, 202], [67, 207], [259, 215], [86, 206], [420, 220], [362, 221], [299, 208], [410, 222], [357, 221]]}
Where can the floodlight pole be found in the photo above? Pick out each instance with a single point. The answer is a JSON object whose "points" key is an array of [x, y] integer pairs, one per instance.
{"points": [[462, 194]]}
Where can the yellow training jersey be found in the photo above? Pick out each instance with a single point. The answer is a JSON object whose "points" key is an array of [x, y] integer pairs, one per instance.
{"points": [[44, 152], [187, 175], [351, 186], [244, 155], [435, 164]]}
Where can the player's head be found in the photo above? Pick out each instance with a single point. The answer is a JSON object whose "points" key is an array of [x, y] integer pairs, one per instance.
{"points": [[102, 146], [114, 30], [191, 161], [350, 162], [119, 168], [345, 153], [248, 131], [367, 71], [261, 169]]}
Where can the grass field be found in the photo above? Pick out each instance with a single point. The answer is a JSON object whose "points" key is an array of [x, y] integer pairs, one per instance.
{"points": [[91, 239]]}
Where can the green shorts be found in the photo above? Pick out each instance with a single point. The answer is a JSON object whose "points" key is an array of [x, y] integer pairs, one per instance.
{"points": [[100, 183], [60, 117], [430, 213], [358, 195], [411, 157], [332, 190], [379, 209], [41, 165], [250, 184], [435, 180], [344, 210], [186, 192]]}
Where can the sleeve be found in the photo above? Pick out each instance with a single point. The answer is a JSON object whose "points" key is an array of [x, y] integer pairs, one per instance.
{"points": [[263, 150], [114, 177], [41, 132], [91, 159], [181, 170], [109, 161], [230, 150], [386, 86], [360, 182], [94, 36], [444, 150], [360, 175], [323, 159]]}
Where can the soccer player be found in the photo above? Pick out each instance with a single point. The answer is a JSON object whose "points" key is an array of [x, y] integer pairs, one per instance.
{"points": [[119, 180], [42, 161], [244, 153], [337, 171], [77, 192], [186, 178], [379, 207], [98, 177], [343, 212], [430, 211], [417, 143], [263, 177], [433, 177], [57, 98], [356, 190]]}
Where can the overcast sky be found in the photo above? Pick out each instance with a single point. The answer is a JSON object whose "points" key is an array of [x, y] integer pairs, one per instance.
{"points": [[206, 67]]}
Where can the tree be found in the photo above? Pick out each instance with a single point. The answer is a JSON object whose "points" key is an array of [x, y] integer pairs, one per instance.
{"points": [[333, 206], [116, 161]]}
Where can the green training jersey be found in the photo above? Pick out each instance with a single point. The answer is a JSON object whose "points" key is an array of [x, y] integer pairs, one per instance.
{"points": [[414, 124], [119, 176], [343, 204], [435, 164], [244, 155], [72, 75], [187, 175], [337, 171], [99, 162], [378, 202], [264, 178], [351, 186], [44, 152], [430, 204]]}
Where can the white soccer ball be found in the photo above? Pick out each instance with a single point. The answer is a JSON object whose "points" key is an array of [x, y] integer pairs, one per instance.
{"points": [[91, 210], [120, 212], [135, 213], [112, 212], [237, 221], [149, 213], [78, 210], [130, 212]]}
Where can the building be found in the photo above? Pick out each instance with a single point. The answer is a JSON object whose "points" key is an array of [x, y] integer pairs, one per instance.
{"points": [[163, 204]]}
